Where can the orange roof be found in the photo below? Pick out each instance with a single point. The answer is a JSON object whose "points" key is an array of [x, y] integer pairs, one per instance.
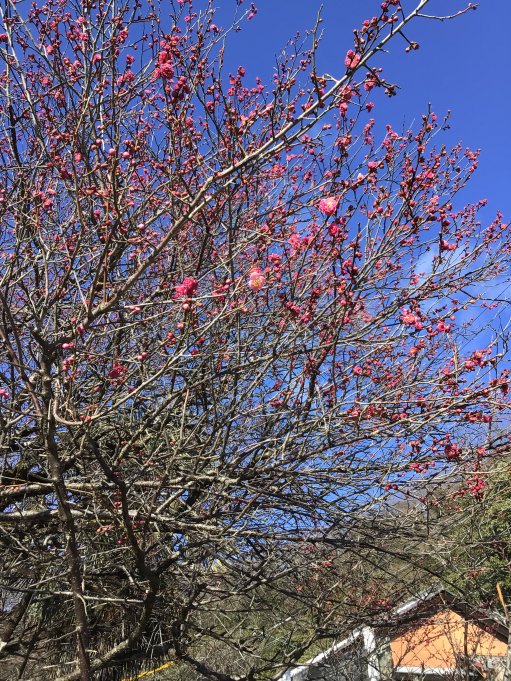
{"points": [[432, 633], [442, 640]]}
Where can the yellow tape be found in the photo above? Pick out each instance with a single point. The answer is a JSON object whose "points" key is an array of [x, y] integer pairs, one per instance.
{"points": [[150, 672], [501, 599]]}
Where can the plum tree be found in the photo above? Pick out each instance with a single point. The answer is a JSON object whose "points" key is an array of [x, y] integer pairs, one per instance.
{"points": [[233, 317]]}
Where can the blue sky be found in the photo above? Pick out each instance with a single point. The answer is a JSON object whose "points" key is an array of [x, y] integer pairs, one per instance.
{"points": [[463, 65]]}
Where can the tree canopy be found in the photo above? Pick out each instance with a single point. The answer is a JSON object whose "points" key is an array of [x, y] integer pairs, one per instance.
{"points": [[233, 319]]}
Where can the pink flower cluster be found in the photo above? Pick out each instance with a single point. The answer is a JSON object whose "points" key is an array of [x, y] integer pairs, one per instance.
{"points": [[446, 246], [328, 205], [412, 319], [187, 288], [164, 68], [256, 279], [452, 451], [116, 372], [352, 59]]}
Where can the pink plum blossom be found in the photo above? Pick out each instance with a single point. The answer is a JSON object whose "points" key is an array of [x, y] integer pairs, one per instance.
{"points": [[187, 288], [352, 59], [256, 279], [328, 205]]}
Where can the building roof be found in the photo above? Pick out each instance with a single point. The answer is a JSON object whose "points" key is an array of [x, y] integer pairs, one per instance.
{"points": [[415, 609]]}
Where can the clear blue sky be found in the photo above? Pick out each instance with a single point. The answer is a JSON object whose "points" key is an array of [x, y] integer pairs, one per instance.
{"points": [[462, 65]]}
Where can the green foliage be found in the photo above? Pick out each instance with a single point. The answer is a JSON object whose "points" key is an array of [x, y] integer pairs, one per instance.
{"points": [[481, 554]]}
